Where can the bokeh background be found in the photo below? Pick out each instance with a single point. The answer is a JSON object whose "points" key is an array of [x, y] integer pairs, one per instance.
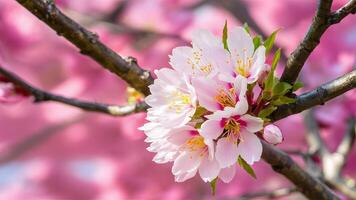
{"points": [[53, 151]]}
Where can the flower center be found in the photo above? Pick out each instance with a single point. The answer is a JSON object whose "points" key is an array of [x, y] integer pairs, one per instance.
{"points": [[196, 143], [243, 65], [197, 64], [178, 101], [226, 98]]}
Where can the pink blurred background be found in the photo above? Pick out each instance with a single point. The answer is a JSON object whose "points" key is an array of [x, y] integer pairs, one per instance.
{"points": [[81, 155]]}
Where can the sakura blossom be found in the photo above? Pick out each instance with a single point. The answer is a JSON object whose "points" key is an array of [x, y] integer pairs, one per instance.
{"points": [[172, 99], [242, 58], [203, 118], [201, 60]]}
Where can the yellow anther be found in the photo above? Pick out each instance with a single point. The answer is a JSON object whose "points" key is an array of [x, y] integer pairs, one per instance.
{"points": [[226, 98]]}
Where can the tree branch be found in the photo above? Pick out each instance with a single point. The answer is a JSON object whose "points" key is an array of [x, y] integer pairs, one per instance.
{"points": [[321, 22], [317, 96], [89, 44], [349, 8], [42, 96], [305, 183]]}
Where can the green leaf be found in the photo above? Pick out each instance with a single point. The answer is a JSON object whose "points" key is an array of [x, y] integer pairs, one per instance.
{"points": [[257, 40], [267, 111], [281, 89], [213, 186], [271, 80], [297, 86], [224, 36], [246, 166], [269, 41], [247, 28], [283, 100], [276, 58], [266, 95]]}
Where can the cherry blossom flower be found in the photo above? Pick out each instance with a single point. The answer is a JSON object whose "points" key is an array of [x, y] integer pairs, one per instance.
{"points": [[215, 95], [190, 152], [234, 130], [172, 99], [243, 60], [201, 60], [272, 134]]}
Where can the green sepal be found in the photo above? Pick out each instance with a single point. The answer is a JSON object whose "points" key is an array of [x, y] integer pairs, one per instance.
{"points": [[213, 186], [246, 167]]}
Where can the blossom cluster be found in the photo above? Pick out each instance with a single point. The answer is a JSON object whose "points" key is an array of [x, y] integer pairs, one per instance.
{"points": [[206, 115]]}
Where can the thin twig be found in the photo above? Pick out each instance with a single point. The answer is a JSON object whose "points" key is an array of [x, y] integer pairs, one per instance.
{"points": [[282, 192], [318, 96], [89, 44], [323, 19], [42, 96], [349, 8]]}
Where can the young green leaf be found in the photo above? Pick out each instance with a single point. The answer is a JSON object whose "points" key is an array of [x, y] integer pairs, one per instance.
{"points": [[257, 40], [269, 41], [271, 80], [267, 111], [297, 86], [276, 58], [247, 28], [213, 186], [224, 36], [283, 100], [246, 166], [281, 89]]}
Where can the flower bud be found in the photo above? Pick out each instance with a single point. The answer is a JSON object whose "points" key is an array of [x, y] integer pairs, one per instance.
{"points": [[272, 134]]}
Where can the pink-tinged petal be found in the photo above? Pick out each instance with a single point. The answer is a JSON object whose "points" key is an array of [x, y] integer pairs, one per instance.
{"points": [[204, 38], [226, 152], [258, 65], [240, 85], [240, 43], [179, 59], [221, 114], [209, 169], [183, 176], [186, 161], [179, 136], [164, 157], [272, 134], [211, 129], [227, 174], [253, 124], [250, 147], [240, 108], [206, 90], [211, 148]]}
